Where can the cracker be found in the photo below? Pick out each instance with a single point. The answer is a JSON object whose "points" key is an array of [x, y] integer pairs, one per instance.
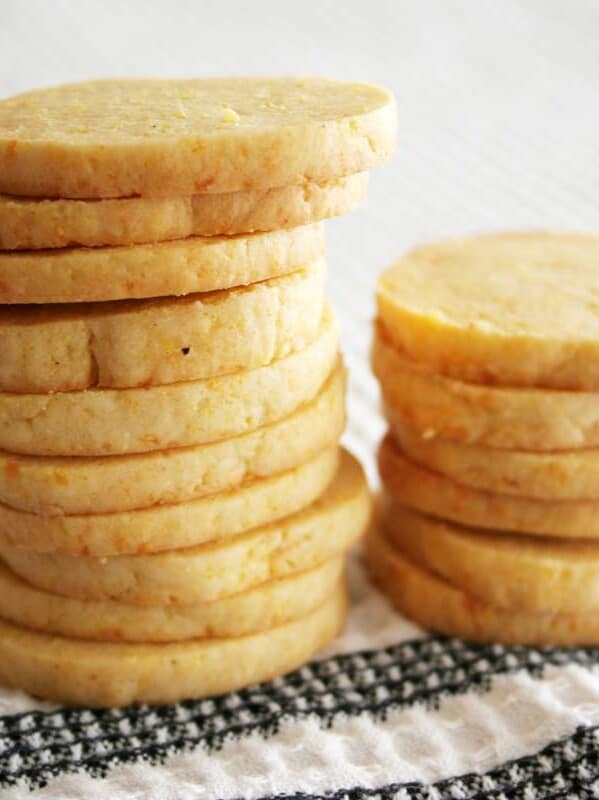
{"points": [[159, 137], [512, 309], [437, 605], [215, 569], [182, 266], [562, 475], [28, 223], [114, 674], [432, 493], [261, 608], [98, 485], [493, 416], [524, 573], [139, 420], [148, 530], [61, 348]]}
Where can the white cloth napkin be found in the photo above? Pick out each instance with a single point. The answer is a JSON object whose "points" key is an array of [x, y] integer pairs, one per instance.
{"points": [[389, 712]]}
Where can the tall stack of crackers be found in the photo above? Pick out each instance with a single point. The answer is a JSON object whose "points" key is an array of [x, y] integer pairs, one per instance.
{"points": [[487, 353], [175, 509]]}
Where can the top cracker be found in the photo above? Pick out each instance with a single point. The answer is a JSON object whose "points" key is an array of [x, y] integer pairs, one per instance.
{"points": [[119, 138], [506, 309]]}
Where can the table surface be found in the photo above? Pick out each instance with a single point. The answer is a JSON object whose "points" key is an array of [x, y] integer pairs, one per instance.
{"points": [[498, 119]]}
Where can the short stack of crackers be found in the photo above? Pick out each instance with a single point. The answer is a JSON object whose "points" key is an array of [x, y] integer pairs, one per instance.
{"points": [[487, 353], [174, 505]]}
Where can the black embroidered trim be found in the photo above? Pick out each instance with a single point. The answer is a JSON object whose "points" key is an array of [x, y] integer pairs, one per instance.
{"points": [[568, 768], [37, 745]]}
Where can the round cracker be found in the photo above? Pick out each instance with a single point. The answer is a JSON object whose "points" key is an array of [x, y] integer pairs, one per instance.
{"points": [[433, 493], [62, 348], [58, 486], [522, 419], [562, 475], [115, 421], [437, 605], [514, 309], [261, 608], [160, 137], [182, 266], [215, 569], [523, 573], [163, 527], [28, 223], [114, 674]]}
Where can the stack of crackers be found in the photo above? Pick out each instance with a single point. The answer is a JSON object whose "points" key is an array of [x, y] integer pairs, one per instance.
{"points": [[174, 506], [487, 352]]}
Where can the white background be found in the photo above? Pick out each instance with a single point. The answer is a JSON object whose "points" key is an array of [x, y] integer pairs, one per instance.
{"points": [[498, 105]]}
